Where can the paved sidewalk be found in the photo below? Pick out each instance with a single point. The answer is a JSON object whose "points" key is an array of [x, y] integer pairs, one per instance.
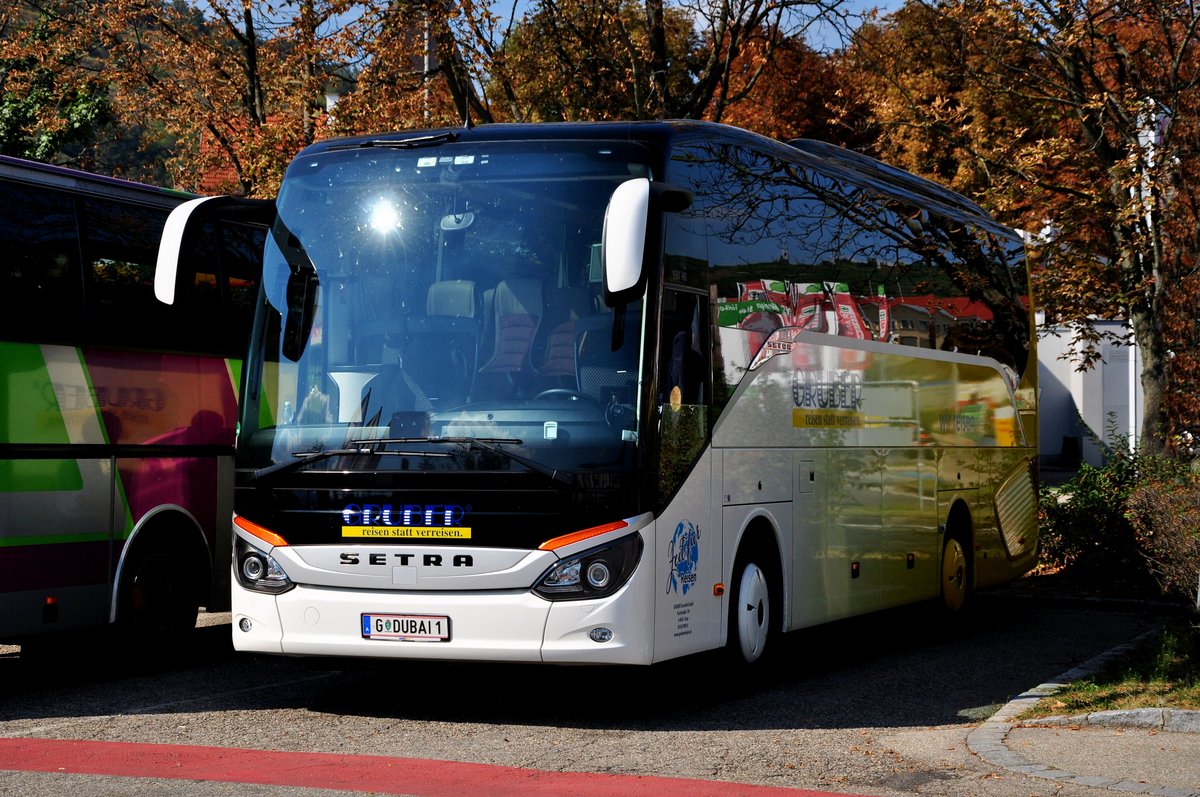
{"points": [[1148, 751]]}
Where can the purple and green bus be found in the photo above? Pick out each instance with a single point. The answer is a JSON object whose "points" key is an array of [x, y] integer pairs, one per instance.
{"points": [[117, 413]]}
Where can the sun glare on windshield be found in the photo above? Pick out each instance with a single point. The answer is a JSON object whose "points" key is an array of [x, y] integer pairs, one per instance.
{"points": [[384, 216]]}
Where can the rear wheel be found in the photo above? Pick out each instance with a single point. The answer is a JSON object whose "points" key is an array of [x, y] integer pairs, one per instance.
{"points": [[750, 619], [956, 574], [159, 594]]}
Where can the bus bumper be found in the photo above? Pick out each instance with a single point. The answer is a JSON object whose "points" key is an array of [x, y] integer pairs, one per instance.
{"points": [[512, 625]]}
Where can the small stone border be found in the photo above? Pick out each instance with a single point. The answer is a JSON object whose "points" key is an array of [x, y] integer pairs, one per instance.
{"points": [[988, 740]]}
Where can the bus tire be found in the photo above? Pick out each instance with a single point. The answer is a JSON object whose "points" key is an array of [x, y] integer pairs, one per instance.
{"points": [[957, 581], [159, 593], [754, 613]]}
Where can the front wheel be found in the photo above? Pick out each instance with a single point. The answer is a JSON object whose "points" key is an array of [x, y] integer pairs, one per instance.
{"points": [[750, 613]]}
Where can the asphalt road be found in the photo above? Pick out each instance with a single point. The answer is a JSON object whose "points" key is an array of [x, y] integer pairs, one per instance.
{"points": [[878, 705]]}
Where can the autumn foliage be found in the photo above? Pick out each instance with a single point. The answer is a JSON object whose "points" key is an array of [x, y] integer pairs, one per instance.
{"points": [[1076, 121]]}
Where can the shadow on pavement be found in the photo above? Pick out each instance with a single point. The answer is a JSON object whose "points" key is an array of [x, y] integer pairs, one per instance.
{"points": [[907, 667]]}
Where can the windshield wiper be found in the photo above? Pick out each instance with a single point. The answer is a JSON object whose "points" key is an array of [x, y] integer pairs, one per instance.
{"points": [[399, 143], [303, 458], [490, 444], [362, 448], [371, 446]]}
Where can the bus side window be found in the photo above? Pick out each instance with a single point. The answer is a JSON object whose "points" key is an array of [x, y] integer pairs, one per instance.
{"points": [[40, 296], [241, 267], [120, 243], [218, 287]]}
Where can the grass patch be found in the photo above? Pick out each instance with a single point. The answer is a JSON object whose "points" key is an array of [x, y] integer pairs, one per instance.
{"points": [[1162, 674]]}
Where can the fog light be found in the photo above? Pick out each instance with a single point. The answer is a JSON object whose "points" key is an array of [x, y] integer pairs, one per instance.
{"points": [[601, 634], [598, 575], [245, 624]]}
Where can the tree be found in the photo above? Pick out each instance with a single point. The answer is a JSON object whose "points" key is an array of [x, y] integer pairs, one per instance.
{"points": [[571, 60], [638, 59], [237, 84], [51, 99], [1077, 117], [235, 87], [798, 93], [727, 29], [423, 65]]}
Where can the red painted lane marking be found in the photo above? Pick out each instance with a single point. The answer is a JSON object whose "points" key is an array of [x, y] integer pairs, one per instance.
{"points": [[378, 774]]}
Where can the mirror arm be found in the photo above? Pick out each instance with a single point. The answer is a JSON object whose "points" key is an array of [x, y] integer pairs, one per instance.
{"points": [[618, 327]]}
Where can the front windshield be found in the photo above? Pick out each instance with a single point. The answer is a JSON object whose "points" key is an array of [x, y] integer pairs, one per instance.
{"points": [[437, 295]]}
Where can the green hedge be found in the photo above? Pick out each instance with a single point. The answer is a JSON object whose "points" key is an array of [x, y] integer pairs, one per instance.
{"points": [[1132, 524]]}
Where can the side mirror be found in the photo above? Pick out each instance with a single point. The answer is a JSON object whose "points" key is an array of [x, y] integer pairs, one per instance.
{"points": [[187, 220], [626, 222], [623, 245], [170, 247]]}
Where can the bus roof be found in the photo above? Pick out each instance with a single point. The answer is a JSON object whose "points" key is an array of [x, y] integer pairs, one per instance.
{"points": [[650, 132], [871, 167], [822, 157], [80, 181]]}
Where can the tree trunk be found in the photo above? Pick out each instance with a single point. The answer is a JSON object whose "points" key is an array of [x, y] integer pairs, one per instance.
{"points": [[456, 75], [1153, 380], [310, 78], [656, 28]]}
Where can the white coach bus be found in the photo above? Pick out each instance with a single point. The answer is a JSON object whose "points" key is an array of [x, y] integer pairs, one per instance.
{"points": [[618, 393]]}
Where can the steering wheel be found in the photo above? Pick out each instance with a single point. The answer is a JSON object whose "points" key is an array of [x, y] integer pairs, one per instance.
{"points": [[562, 393]]}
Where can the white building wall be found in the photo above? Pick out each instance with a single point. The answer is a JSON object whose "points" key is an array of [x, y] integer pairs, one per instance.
{"points": [[1076, 407]]}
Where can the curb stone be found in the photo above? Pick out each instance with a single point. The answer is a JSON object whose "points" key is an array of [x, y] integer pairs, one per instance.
{"points": [[1165, 719], [988, 740]]}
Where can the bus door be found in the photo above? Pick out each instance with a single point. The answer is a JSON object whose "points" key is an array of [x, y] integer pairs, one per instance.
{"points": [[854, 567], [688, 546]]}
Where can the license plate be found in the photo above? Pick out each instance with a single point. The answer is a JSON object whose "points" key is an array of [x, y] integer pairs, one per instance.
{"points": [[406, 627]]}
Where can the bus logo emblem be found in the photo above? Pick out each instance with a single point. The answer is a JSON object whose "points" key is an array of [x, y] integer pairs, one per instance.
{"points": [[684, 555], [405, 522]]}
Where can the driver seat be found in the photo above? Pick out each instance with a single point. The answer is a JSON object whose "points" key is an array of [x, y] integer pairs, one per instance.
{"points": [[515, 314], [564, 308]]}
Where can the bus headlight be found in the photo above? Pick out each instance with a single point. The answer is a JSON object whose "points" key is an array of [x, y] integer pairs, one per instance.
{"points": [[595, 573], [598, 574], [259, 571]]}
